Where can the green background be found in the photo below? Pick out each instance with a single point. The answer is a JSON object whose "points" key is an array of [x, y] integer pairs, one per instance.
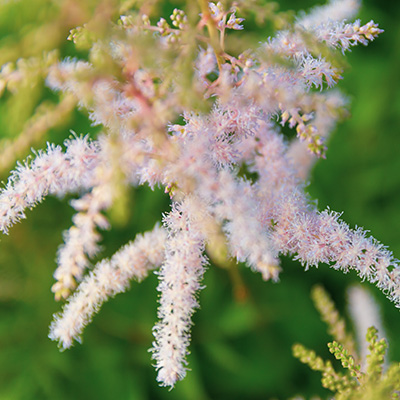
{"points": [[238, 350]]}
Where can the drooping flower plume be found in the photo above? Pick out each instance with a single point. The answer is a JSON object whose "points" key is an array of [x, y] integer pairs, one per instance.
{"points": [[205, 124]]}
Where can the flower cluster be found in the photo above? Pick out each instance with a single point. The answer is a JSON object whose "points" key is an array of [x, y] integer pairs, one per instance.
{"points": [[179, 111], [372, 379]]}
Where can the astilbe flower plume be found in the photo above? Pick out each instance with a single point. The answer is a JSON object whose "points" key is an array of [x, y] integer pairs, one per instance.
{"points": [[202, 123]]}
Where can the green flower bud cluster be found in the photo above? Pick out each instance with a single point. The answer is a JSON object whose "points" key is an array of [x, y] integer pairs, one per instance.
{"points": [[371, 382]]}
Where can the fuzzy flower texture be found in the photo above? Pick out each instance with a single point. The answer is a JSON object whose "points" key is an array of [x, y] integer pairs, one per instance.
{"points": [[177, 110]]}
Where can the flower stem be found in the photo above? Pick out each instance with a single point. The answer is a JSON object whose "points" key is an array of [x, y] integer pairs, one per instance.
{"points": [[212, 31]]}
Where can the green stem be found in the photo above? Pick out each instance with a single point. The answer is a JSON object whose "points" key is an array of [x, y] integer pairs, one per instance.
{"points": [[212, 31]]}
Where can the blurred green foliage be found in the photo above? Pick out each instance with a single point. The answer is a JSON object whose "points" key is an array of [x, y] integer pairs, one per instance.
{"points": [[239, 349]]}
